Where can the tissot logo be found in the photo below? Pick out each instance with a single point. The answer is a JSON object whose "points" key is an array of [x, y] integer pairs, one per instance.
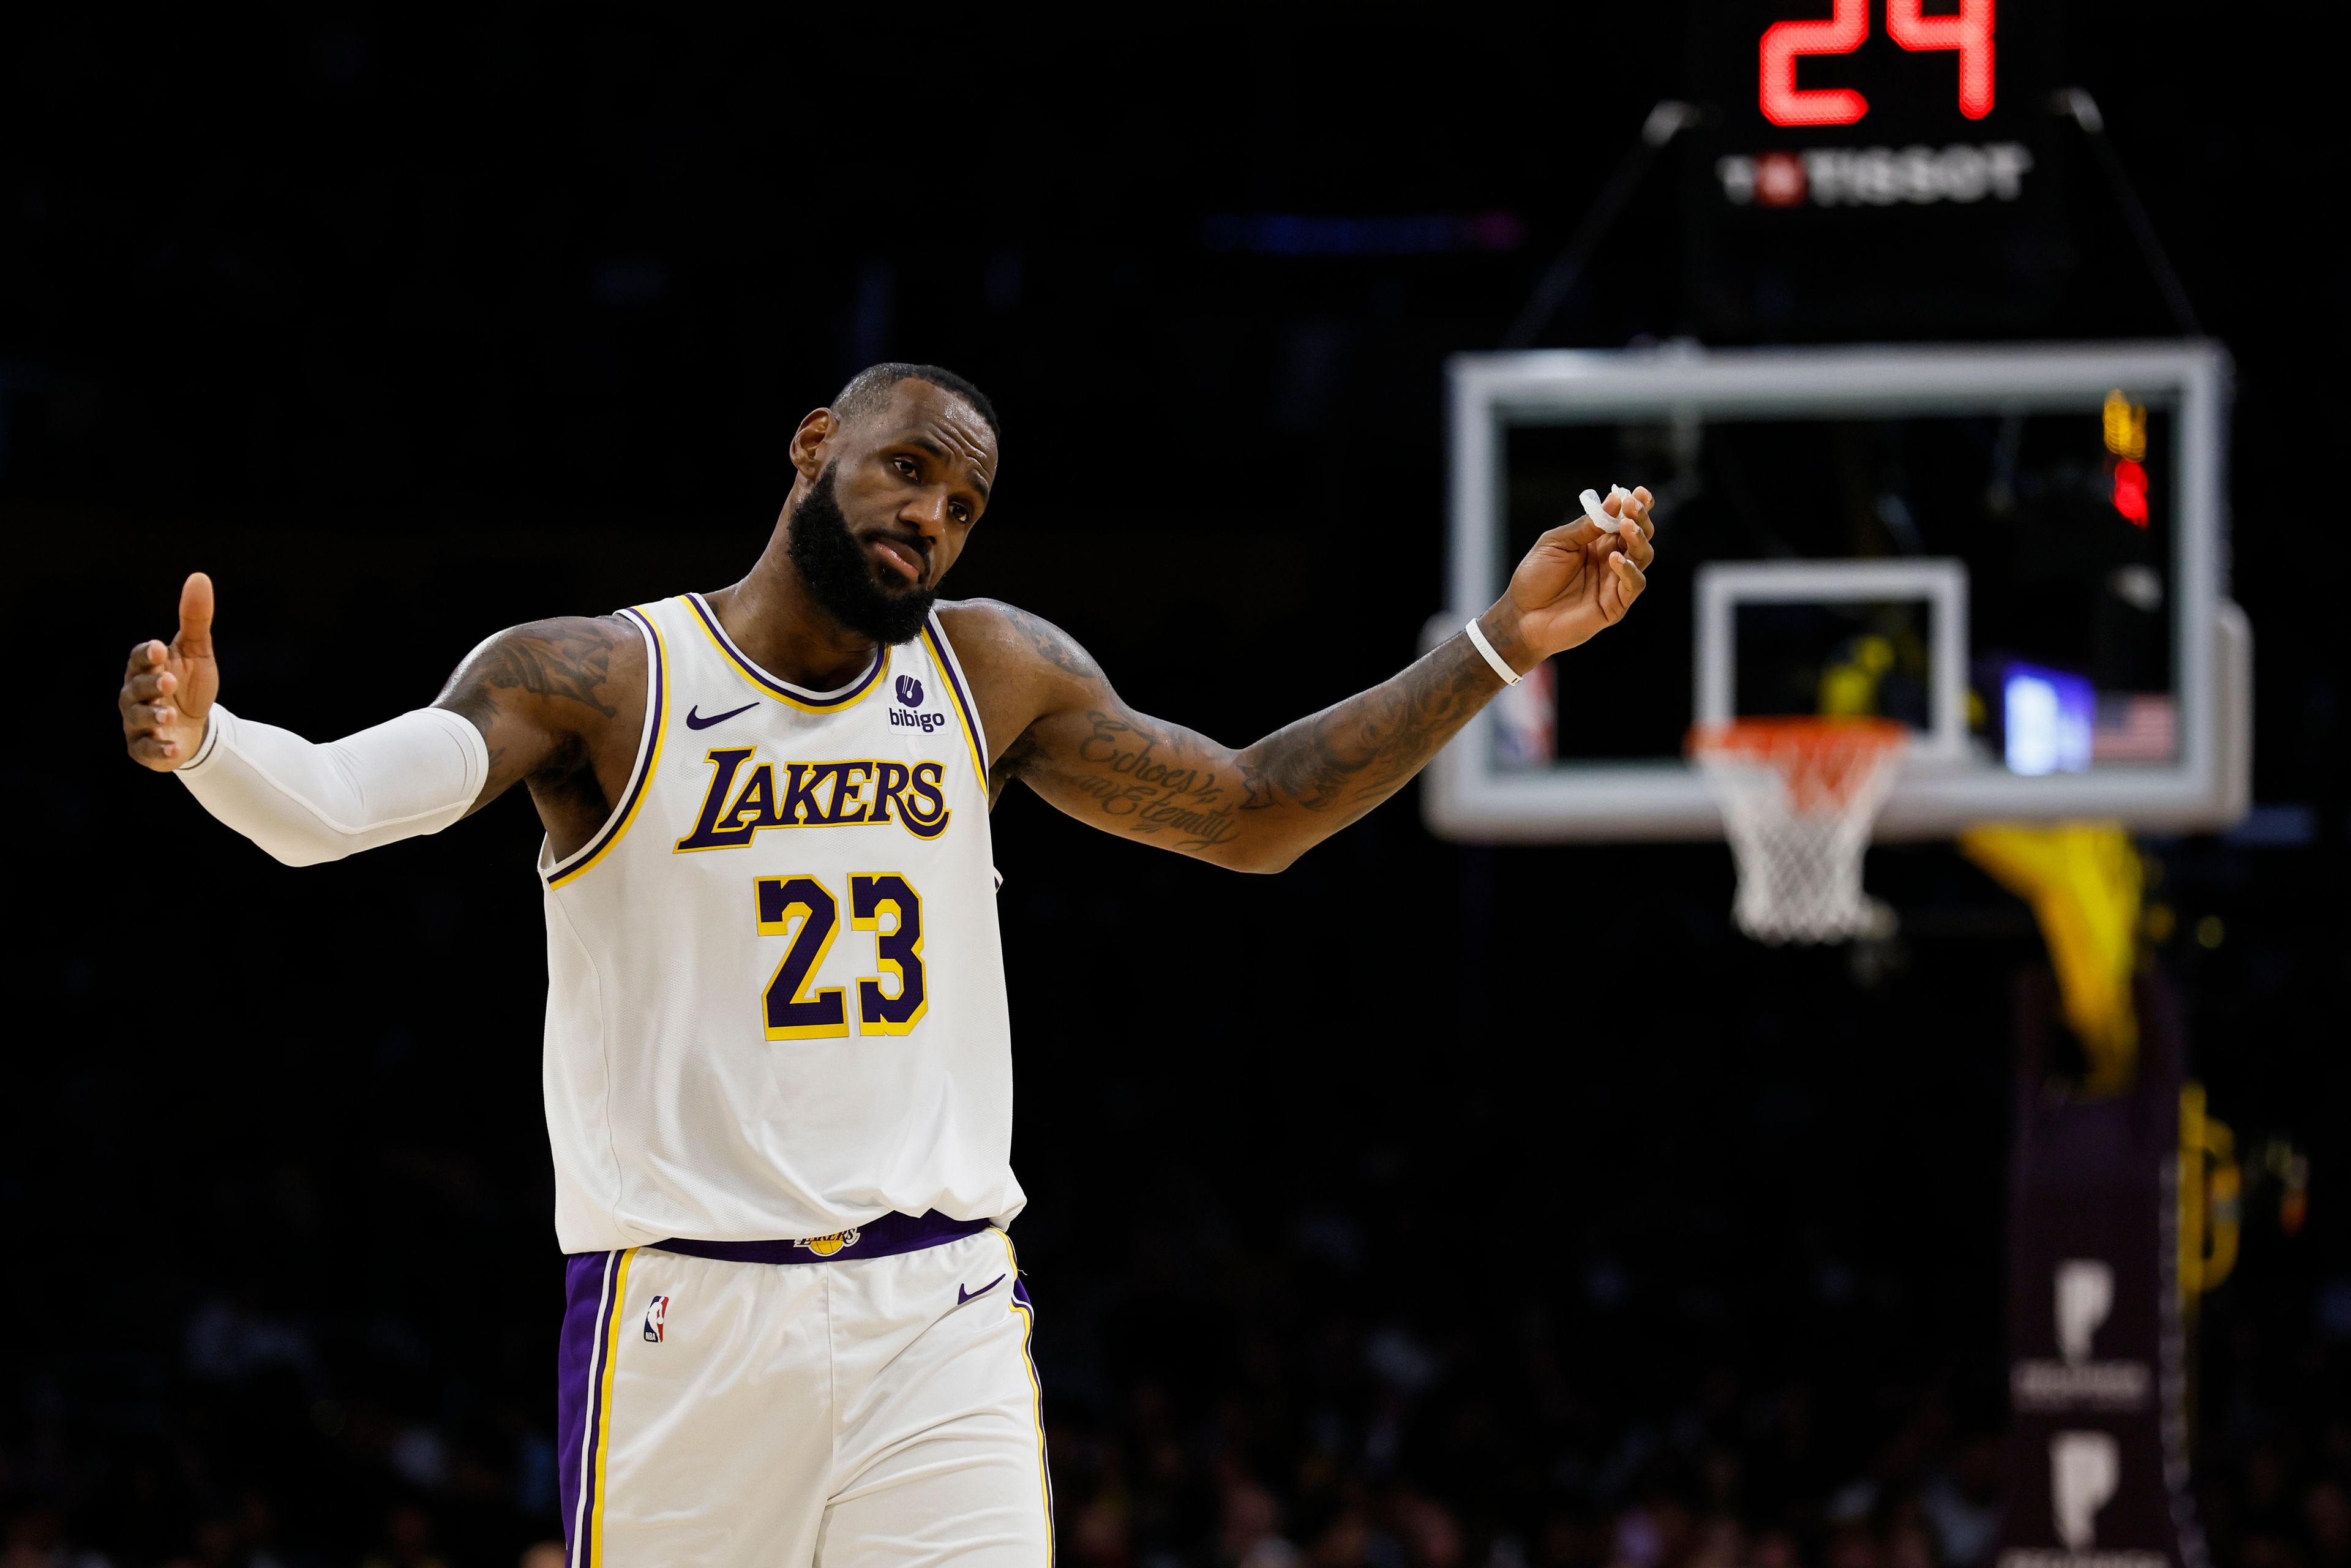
{"points": [[1875, 176]]}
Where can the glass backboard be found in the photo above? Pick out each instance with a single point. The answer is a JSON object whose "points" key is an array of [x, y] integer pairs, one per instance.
{"points": [[2018, 551]]}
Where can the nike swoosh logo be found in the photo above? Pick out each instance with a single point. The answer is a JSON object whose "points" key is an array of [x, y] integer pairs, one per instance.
{"points": [[694, 721], [963, 1295]]}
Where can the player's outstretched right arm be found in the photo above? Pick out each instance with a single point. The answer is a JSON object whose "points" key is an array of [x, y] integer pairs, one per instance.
{"points": [[1068, 735], [542, 702]]}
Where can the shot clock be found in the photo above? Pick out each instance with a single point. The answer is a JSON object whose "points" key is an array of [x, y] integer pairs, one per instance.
{"points": [[1874, 169], [1968, 35]]}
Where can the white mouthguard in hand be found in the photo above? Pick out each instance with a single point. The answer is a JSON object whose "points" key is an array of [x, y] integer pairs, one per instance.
{"points": [[1600, 519]]}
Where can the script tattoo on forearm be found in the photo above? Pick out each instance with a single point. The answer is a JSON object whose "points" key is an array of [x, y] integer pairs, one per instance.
{"points": [[1289, 790], [1119, 766], [1130, 768], [1132, 781], [1351, 757]]}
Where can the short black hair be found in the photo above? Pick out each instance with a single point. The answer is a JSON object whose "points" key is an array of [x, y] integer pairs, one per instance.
{"points": [[868, 389]]}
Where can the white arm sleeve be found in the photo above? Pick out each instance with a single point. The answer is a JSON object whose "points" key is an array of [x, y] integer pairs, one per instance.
{"points": [[306, 803]]}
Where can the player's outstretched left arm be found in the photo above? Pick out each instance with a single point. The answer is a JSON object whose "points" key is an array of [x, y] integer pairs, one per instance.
{"points": [[1260, 807]]}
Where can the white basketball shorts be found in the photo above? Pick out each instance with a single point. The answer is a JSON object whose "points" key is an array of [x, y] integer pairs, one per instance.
{"points": [[840, 1410]]}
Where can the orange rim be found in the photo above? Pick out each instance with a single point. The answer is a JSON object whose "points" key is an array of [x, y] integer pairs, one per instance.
{"points": [[1824, 760]]}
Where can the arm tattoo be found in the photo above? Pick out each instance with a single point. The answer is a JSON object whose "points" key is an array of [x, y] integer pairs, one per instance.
{"points": [[1132, 769], [1261, 806], [1053, 645], [1129, 781], [535, 693], [1351, 757], [571, 660]]}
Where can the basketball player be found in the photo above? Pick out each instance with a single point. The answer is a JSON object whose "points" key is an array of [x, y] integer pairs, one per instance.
{"points": [[777, 1059]]}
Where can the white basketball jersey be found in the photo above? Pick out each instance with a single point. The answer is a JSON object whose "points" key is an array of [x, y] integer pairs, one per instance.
{"points": [[776, 1001]]}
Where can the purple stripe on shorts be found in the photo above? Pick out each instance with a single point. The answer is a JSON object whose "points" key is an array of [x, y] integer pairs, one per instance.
{"points": [[586, 1280], [884, 1237], [1020, 1299]]}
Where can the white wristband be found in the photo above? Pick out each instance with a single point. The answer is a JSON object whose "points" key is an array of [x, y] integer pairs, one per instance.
{"points": [[1501, 666]]}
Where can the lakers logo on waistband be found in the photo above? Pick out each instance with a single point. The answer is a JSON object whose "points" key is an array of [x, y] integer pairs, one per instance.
{"points": [[826, 1246]]}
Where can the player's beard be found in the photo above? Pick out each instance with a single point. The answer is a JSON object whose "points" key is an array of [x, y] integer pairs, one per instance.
{"points": [[841, 575]]}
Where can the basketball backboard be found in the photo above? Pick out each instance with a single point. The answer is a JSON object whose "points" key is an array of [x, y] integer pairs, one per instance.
{"points": [[2019, 551]]}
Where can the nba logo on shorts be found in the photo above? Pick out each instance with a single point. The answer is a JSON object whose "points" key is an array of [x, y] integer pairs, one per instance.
{"points": [[910, 690], [656, 1318]]}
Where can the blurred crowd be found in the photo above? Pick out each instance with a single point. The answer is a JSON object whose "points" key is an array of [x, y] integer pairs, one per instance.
{"points": [[1319, 1396]]}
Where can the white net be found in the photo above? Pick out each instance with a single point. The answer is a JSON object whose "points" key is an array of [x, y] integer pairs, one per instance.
{"points": [[1798, 799]]}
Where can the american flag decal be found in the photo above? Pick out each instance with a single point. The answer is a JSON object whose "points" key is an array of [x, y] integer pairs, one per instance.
{"points": [[2135, 728]]}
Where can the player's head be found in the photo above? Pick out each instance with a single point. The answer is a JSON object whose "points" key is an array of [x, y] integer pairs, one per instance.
{"points": [[893, 474]]}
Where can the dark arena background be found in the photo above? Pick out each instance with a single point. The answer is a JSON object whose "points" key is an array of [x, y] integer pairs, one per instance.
{"points": [[1430, 1204]]}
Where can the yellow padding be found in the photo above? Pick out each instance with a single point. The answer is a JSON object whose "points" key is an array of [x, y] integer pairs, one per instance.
{"points": [[2084, 883]]}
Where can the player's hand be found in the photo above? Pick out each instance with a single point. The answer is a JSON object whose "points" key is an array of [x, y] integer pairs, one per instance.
{"points": [[1576, 583], [168, 692]]}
